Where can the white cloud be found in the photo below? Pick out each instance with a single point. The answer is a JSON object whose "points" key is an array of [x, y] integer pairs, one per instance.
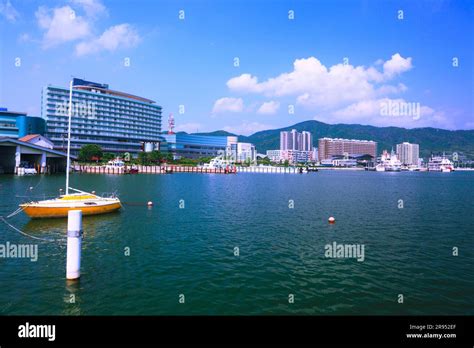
{"points": [[269, 108], [396, 65], [389, 112], [8, 11], [318, 86], [244, 83], [118, 36], [390, 89], [92, 8], [227, 104], [247, 128], [188, 127], [61, 24]]}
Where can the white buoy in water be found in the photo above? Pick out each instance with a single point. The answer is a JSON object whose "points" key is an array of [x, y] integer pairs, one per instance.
{"points": [[74, 242], [31, 187], [93, 192], [331, 220], [150, 203]]}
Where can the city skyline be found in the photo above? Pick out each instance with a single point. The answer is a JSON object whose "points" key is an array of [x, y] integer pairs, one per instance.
{"points": [[288, 70]]}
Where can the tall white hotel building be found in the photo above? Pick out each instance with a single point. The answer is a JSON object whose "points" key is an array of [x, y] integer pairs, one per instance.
{"points": [[117, 121]]}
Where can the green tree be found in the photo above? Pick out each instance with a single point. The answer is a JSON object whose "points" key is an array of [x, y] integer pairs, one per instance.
{"points": [[265, 161], [155, 156], [287, 163], [108, 156], [143, 158], [90, 151]]}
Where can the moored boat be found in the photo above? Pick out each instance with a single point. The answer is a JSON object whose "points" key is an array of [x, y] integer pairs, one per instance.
{"points": [[90, 204]]}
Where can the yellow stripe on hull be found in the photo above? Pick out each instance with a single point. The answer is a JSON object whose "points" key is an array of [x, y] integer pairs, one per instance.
{"points": [[37, 212]]}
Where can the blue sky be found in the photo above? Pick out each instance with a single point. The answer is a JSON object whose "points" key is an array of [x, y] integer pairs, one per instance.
{"points": [[333, 61]]}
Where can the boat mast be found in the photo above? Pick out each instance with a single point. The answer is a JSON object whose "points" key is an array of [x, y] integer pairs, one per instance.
{"points": [[68, 165]]}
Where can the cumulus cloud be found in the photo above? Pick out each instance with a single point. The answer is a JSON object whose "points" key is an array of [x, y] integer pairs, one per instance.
{"points": [[92, 8], [227, 104], [387, 111], [316, 85], [247, 128], [343, 93], [61, 24], [118, 36], [8, 11], [396, 65], [269, 108], [76, 23]]}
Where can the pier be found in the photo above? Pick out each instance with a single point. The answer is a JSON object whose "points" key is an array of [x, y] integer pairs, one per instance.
{"points": [[169, 169]]}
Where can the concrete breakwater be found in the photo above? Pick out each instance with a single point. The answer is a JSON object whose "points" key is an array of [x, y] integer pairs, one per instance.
{"points": [[181, 169]]}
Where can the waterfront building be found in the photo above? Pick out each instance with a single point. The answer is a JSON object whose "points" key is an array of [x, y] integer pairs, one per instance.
{"points": [[116, 121], [18, 124], [17, 154], [293, 140], [274, 155], [38, 139], [329, 147], [241, 152], [408, 154], [295, 147], [196, 146]]}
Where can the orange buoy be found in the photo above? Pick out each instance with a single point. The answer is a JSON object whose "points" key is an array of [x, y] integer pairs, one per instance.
{"points": [[331, 220]]}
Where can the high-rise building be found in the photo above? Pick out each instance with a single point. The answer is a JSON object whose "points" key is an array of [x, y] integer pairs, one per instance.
{"points": [[328, 147], [293, 140], [116, 121], [307, 141], [294, 147], [408, 153]]}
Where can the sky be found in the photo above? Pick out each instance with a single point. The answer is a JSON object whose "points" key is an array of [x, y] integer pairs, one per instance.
{"points": [[245, 66]]}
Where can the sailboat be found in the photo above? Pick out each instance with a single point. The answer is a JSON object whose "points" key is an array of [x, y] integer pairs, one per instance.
{"points": [[89, 203]]}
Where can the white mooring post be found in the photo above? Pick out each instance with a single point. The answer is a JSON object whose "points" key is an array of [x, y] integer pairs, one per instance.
{"points": [[74, 241]]}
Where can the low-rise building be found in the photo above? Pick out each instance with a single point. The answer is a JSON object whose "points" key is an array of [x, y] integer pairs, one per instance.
{"points": [[15, 124]]}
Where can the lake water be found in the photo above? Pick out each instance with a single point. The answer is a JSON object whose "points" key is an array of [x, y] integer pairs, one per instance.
{"points": [[190, 250]]}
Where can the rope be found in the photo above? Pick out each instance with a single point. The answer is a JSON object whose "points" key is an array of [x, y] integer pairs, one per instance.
{"points": [[29, 235], [19, 210]]}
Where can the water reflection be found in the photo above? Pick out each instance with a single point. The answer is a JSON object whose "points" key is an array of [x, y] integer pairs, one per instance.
{"points": [[72, 299]]}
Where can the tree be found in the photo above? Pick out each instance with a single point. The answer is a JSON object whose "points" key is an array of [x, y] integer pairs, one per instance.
{"points": [[108, 156], [143, 158], [87, 152], [287, 163], [155, 156], [265, 161]]}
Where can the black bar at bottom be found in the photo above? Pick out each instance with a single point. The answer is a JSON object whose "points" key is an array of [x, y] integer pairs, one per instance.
{"points": [[413, 330]]}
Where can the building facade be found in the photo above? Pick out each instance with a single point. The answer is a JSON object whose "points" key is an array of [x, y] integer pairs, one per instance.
{"points": [[196, 146], [17, 124], [241, 152], [408, 154], [329, 147], [294, 147], [116, 121]]}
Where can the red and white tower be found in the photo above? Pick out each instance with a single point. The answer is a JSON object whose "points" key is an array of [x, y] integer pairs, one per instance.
{"points": [[170, 124]]}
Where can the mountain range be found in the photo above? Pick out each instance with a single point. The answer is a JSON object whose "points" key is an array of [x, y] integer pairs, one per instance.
{"points": [[431, 140]]}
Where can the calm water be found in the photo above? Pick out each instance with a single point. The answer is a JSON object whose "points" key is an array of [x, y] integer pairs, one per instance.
{"points": [[190, 251]]}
